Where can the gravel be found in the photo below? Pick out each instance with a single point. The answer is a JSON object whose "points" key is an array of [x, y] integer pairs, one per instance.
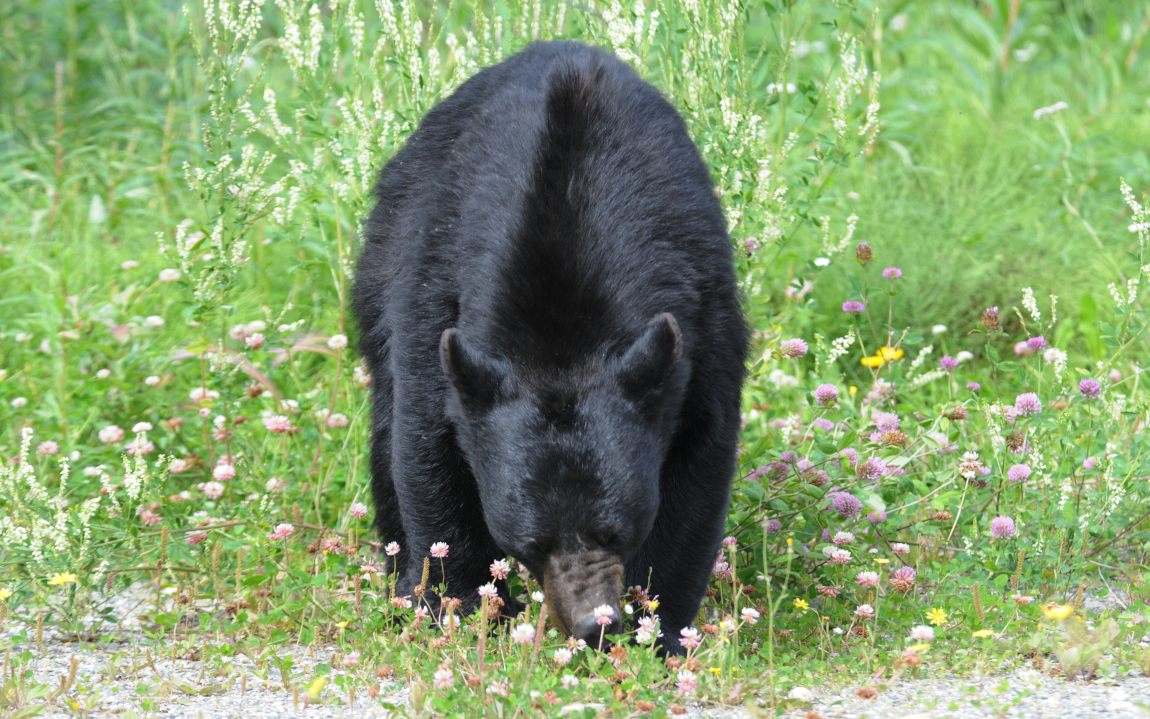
{"points": [[116, 676]]}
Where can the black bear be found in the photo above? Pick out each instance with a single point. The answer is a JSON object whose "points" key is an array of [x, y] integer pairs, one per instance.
{"points": [[548, 306]]}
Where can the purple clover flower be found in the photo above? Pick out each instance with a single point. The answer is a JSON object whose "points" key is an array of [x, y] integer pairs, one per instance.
{"points": [[846, 504], [871, 470], [948, 363], [1027, 404], [892, 273], [793, 348], [1002, 527], [1018, 473], [853, 306], [826, 395], [1036, 344], [1089, 389], [973, 386]]}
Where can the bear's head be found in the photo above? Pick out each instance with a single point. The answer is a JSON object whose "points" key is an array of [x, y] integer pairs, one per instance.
{"points": [[567, 461]]}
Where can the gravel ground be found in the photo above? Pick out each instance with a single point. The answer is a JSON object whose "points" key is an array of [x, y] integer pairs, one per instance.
{"points": [[117, 676]]}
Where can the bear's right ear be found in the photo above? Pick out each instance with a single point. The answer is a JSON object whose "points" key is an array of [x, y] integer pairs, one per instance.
{"points": [[476, 377], [647, 367]]}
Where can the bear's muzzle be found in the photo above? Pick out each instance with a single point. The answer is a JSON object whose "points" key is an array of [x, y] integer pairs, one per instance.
{"points": [[575, 584]]}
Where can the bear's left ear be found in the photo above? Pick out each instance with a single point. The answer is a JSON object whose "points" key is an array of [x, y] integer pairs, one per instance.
{"points": [[646, 368], [476, 377]]}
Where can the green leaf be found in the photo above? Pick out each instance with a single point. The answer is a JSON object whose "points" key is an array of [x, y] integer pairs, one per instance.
{"points": [[913, 338], [992, 354]]}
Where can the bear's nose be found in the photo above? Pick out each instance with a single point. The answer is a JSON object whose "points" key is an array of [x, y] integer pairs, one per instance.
{"points": [[588, 628]]}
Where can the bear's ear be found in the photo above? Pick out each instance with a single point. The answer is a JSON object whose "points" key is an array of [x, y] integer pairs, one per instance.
{"points": [[476, 377], [646, 367]]}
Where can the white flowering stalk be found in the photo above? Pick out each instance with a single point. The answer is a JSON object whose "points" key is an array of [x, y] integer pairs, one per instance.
{"points": [[1031, 306], [1141, 223], [922, 355], [927, 378]]}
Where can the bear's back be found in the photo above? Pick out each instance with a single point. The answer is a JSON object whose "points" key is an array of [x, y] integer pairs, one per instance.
{"points": [[549, 208]]}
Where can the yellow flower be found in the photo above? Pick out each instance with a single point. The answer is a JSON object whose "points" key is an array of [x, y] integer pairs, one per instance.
{"points": [[341, 625], [982, 633], [716, 671], [1057, 611], [654, 604], [853, 390], [880, 560], [937, 617], [790, 541], [801, 604], [64, 578], [5, 593], [316, 686], [884, 355], [919, 648]]}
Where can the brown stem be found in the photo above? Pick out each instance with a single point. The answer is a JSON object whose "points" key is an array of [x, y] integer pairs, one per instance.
{"points": [[1011, 19]]}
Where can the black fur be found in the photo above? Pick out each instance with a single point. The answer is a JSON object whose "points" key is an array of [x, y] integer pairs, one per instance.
{"points": [[551, 210]]}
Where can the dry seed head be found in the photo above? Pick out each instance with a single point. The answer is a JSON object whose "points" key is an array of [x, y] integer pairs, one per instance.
{"points": [[863, 252]]}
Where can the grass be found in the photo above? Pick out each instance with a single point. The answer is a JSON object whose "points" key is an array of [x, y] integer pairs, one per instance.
{"points": [[962, 188]]}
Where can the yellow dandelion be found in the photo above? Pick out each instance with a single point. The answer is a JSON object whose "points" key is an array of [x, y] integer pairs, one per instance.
{"points": [[884, 355], [982, 633], [801, 605], [5, 593], [919, 648], [937, 617], [880, 560], [62, 578], [1057, 611]]}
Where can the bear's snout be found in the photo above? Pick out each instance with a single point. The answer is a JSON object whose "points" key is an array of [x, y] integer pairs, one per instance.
{"points": [[576, 584]]}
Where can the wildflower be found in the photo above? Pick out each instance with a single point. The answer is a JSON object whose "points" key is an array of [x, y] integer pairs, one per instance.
{"points": [[351, 659], [973, 386], [255, 340], [840, 556], [1044, 111], [822, 261], [1089, 462], [439, 550], [981, 633], [1002, 527], [357, 510], [902, 579], [576, 645], [443, 678], [881, 560], [1027, 404], [938, 329], [48, 448], [111, 434], [687, 682], [886, 421], [750, 616], [337, 420], [884, 355], [1114, 376], [793, 348], [1089, 389], [900, 548], [863, 252], [153, 321], [730, 543], [282, 531], [275, 485], [1021, 348], [523, 634], [500, 569], [195, 538], [603, 614], [391, 549], [800, 604], [853, 306], [846, 504], [563, 656], [277, 424], [152, 380], [722, 569], [871, 470], [842, 538], [1036, 344], [224, 471], [826, 395], [752, 244], [404, 603], [169, 275], [149, 518], [103, 373], [922, 633], [1018, 473], [1057, 611], [892, 273], [61, 579], [199, 395], [4, 594], [569, 681], [948, 363], [140, 446], [690, 637], [337, 342], [867, 579], [129, 265], [937, 617], [213, 490], [1022, 599], [865, 611], [990, 319], [876, 517]]}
